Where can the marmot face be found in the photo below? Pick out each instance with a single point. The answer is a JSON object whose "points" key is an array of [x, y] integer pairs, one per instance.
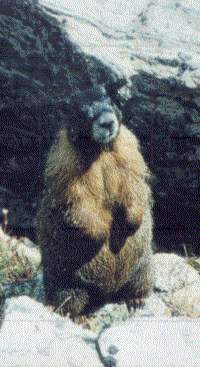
{"points": [[97, 120], [105, 128]]}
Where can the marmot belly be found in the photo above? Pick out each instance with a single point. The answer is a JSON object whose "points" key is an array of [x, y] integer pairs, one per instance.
{"points": [[109, 271]]}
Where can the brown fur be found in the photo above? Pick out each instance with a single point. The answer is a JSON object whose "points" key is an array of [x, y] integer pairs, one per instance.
{"points": [[94, 224]]}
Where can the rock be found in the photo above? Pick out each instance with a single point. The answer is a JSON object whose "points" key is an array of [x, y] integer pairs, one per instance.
{"points": [[112, 314], [152, 342], [26, 248], [31, 335], [107, 316], [171, 273], [186, 301], [23, 246], [151, 71], [154, 306], [177, 284], [135, 33]]}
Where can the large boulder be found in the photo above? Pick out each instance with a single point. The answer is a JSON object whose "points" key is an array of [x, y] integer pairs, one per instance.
{"points": [[150, 68]]}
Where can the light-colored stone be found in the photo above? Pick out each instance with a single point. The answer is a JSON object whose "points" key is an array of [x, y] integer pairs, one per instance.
{"points": [[178, 284], [31, 253], [153, 307], [173, 273], [129, 35], [114, 313], [186, 301], [32, 336], [152, 343], [107, 316], [23, 246]]}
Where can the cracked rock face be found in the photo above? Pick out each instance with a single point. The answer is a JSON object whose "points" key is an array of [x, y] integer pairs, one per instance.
{"points": [[150, 68]]}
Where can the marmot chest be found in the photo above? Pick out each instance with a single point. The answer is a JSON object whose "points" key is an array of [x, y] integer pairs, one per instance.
{"points": [[106, 180]]}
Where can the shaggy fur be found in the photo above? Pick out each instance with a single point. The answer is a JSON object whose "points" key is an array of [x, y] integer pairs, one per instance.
{"points": [[94, 223]]}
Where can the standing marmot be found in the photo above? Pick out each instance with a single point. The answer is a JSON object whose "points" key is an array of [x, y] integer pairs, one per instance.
{"points": [[94, 221]]}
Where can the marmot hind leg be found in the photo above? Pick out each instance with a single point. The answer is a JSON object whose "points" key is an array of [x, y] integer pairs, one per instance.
{"points": [[138, 287], [77, 301], [65, 298], [72, 301]]}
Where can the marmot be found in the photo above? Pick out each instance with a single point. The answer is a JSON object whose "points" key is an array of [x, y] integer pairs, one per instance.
{"points": [[94, 222]]}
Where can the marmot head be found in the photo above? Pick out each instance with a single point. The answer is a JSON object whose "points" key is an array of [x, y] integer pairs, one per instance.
{"points": [[94, 119]]}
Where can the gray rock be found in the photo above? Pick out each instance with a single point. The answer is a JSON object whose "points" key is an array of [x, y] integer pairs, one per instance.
{"points": [[112, 314], [186, 301], [172, 273], [152, 342], [177, 284], [107, 315], [154, 306], [137, 35], [31, 335]]}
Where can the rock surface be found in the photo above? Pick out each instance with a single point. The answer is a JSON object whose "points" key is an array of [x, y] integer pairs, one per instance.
{"points": [[152, 342], [173, 273], [132, 36], [177, 284], [23, 247], [46, 339], [150, 68], [33, 336]]}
